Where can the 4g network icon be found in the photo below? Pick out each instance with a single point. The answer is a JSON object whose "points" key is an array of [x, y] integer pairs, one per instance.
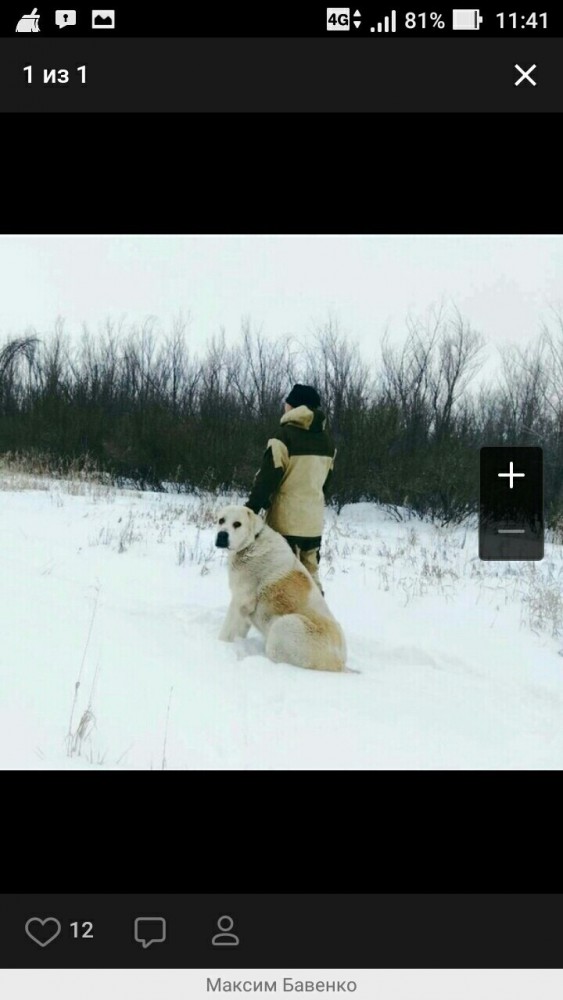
{"points": [[339, 19]]}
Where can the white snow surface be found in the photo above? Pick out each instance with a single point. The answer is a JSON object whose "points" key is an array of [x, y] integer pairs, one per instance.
{"points": [[454, 663]]}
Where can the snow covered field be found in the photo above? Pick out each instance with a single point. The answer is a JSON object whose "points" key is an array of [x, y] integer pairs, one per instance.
{"points": [[123, 591]]}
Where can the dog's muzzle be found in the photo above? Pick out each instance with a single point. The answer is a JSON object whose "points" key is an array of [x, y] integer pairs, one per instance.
{"points": [[222, 540]]}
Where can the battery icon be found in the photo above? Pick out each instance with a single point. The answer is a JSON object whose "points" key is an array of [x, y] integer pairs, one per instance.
{"points": [[466, 20]]}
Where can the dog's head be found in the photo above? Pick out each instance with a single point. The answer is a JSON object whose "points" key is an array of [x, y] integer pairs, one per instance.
{"points": [[237, 527]]}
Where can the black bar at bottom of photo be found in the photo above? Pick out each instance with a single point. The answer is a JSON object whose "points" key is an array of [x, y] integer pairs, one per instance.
{"points": [[281, 930]]}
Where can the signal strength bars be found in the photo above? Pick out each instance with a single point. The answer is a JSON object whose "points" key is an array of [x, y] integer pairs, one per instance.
{"points": [[388, 24]]}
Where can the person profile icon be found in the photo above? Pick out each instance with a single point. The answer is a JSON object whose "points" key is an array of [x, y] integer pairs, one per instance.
{"points": [[226, 937]]}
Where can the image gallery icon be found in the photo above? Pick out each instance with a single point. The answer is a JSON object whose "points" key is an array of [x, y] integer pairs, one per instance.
{"points": [[103, 19], [29, 22]]}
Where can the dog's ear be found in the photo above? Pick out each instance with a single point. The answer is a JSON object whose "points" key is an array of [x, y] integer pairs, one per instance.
{"points": [[256, 522]]}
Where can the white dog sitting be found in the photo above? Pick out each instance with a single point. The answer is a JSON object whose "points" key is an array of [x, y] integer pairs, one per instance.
{"points": [[274, 592]]}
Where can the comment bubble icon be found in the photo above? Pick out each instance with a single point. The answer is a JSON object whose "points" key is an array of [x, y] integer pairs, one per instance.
{"points": [[64, 18], [150, 930]]}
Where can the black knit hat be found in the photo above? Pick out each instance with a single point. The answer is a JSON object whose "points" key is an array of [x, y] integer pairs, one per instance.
{"points": [[304, 395]]}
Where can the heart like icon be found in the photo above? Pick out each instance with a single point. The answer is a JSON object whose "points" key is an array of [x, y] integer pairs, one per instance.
{"points": [[43, 931]]}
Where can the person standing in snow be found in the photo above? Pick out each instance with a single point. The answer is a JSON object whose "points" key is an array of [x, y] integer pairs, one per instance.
{"points": [[292, 481]]}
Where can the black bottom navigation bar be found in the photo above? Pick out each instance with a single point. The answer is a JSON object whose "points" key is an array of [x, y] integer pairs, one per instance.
{"points": [[281, 931]]}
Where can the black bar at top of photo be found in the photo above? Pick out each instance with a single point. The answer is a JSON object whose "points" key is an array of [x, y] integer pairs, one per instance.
{"points": [[295, 20], [402, 930]]}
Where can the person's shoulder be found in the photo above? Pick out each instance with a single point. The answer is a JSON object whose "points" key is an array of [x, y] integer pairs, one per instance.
{"points": [[280, 432], [279, 438]]}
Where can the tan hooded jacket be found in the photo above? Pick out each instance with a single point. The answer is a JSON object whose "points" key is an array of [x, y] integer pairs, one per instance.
{"points": [[295, 471]]}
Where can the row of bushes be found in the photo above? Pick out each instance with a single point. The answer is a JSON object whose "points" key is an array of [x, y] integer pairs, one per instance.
{"points": [[408, 423]]}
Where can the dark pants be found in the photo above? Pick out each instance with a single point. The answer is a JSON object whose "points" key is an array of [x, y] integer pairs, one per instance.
{"points": [[308, 551]]}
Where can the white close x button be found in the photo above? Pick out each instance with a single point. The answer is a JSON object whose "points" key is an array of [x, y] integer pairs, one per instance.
{"points": [[525, 75]]}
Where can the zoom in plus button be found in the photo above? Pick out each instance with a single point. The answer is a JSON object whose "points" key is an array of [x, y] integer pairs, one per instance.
{"points": [[511, 504]]}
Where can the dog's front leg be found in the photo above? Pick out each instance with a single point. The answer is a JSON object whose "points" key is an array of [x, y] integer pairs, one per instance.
{"points": [[236, 624], [243, 627], [246, 609]]}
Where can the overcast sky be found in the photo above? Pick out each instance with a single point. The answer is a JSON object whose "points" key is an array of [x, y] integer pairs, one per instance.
{"points": [[504, 286]]}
